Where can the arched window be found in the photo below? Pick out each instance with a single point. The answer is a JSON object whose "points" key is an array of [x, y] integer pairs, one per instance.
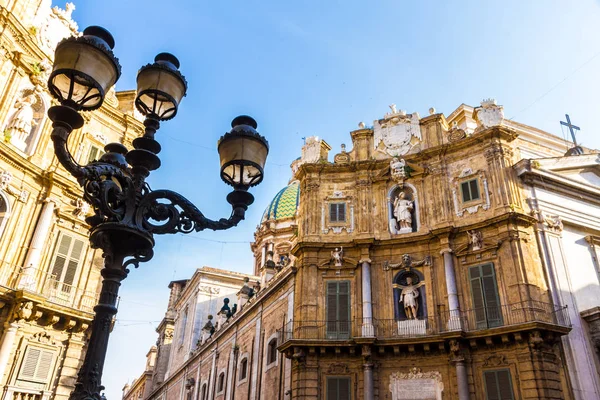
{"points": [[203, 394], [221, 382], [243, 369], [272, 351]]}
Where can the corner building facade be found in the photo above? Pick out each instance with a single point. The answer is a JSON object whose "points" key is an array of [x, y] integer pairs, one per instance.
{"points": [[408, 267], [49, 275]]}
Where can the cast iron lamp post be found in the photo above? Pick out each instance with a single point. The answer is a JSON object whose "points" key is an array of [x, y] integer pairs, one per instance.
{"points": [[127, 213]]}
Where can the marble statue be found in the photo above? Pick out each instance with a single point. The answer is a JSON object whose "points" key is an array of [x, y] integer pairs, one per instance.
{"points": [[22, 121], [207, 330], [403, 212], [222, 315], [337, 256], [393, 108], [408, 296], [475, 239]]}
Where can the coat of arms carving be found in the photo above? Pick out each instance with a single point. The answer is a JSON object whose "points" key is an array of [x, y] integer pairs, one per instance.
{"points": [[397, 133]]}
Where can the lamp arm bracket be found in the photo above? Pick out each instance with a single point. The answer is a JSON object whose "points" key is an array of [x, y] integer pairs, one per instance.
{"points": [[165, 211]]}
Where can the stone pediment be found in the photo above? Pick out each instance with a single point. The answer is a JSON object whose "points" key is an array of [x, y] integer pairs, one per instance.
{"points": [[570, 170]]}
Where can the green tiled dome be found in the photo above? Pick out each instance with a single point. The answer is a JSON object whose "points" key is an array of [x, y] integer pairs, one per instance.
{"points": [[284, 204]]}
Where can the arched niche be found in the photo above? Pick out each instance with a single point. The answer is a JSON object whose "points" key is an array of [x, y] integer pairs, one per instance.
{"points": [[35, 115], [410, 193], [417, 279]]}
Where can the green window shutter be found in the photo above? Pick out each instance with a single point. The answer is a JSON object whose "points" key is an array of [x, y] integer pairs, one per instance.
{"points": [[69, 253], [338, 388], [341, 212], [30, 363], [464, 188], [338, 309], [44, 366], [62, 253], [484, 291], [498, 385], [474, 189]]}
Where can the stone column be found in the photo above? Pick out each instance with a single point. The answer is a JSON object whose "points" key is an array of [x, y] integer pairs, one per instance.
{"points": [[454, 315], [462, 380], [211, 376], [6, 346], [38, 242], [367, 326], [368, 378]]}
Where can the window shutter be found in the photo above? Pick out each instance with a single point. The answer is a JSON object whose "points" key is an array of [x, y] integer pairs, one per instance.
{"points": [[62, 254], [30, 363], [338, 388], [343, 308], [498, 385], [486, 303], [338, 309], [474, 186], [332, 311], [333, 212], [43, 369], [37, 364], [341, 212], [464, 188]]}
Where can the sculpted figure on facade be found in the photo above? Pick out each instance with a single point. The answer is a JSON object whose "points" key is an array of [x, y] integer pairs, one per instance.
{"points": [[207, 330], [403, 212], [222, 315], [337, 256], [408, 297], [22, 121], [475, 239]]}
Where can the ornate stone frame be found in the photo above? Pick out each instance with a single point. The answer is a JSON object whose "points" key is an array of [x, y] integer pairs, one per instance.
{"points": [[91, 140], [471, 206], [416, 374], [337, 227]]}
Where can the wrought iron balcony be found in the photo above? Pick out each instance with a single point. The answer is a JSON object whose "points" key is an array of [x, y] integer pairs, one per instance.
{"points": [[536, 314]]}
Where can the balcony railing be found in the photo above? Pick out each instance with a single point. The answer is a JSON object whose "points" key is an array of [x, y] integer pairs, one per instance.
{"points": [[55, 291], [465, 321]]}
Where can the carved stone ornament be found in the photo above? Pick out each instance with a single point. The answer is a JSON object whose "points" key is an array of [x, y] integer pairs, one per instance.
{"points": [[338, 369], [343, 157], [455, 134], [395, 132], [81, 208], [484, 201], [495, 360], [407, 262], [489, 114], [416, 385], [398, 169], [553, 222], [43, 337], [209, 289]]}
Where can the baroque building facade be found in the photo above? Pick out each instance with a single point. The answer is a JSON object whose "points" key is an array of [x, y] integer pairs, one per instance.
{"points": [[49, 276], [429, 261]]}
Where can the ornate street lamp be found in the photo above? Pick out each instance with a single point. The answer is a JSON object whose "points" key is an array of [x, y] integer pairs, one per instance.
{"points": [[127, 213]]}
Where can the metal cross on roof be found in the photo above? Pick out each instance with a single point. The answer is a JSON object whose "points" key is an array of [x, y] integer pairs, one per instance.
{"points": [[571, 127]]}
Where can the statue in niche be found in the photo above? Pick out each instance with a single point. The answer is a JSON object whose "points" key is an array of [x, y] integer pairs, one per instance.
{"points": [[337, 256], [403, 212], [22, 121], [408, 297]]}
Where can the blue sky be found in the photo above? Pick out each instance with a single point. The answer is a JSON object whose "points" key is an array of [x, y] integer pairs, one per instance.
{"points": [[318, 68]]}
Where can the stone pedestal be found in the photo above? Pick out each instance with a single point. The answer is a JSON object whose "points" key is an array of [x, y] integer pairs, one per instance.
{"points": [[412, 327]]}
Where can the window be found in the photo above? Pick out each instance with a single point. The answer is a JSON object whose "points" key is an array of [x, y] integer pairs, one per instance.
{"points": [[94, 154], [498, 385], [337, 212], [470, 190], [338, 388], [243, 369], [338, 309], [486, 303], [69, 253], [272, 351], [37, 365], [221, 382], [203, 395]]}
